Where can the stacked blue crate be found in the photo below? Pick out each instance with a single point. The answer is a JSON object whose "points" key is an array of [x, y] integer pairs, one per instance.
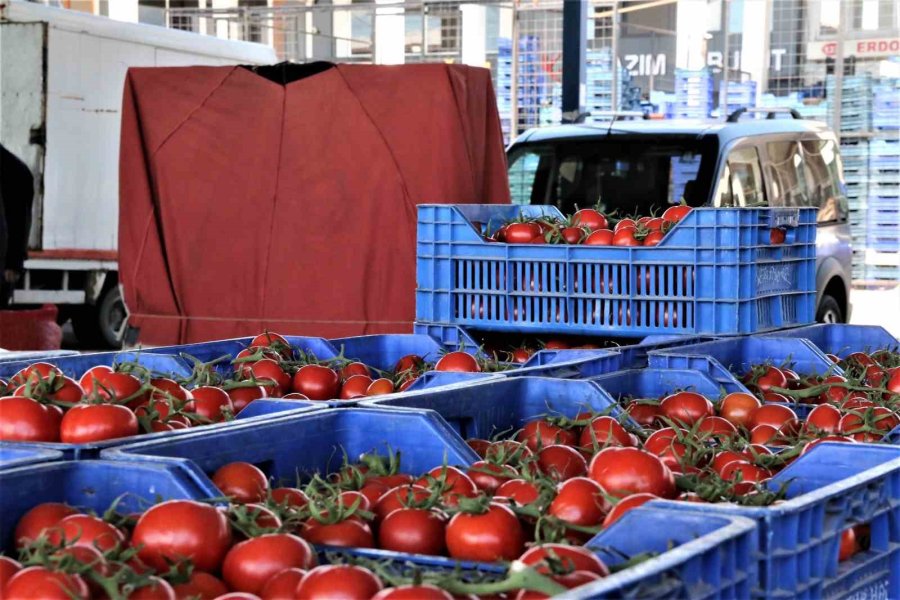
{"points": [[856, 101], [855, 154], [599, 81], [693, 94], [531, 82], [883, 205], [683, 170], [737, 94], [886, 105]]}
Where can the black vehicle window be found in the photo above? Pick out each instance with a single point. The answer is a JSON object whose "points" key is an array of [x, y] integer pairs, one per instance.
{"points": [[621, 177], [741, 182], [787, 175], [823, 165]]}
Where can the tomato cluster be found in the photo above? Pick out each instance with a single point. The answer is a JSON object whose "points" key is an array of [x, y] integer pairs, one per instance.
{"points": [[590, 227], [258, 546], [41, 404]]}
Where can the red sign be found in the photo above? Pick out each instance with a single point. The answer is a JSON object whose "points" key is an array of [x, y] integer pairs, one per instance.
{"points": [[872, 48]]}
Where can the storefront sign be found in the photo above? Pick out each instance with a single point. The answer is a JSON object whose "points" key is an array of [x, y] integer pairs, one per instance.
{"points": [[871, 48]]}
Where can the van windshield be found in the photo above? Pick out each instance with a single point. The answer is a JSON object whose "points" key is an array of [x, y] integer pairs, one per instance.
{"points": [[621, 176]]}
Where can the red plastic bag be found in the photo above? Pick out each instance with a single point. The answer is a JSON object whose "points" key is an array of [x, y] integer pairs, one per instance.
{"points": [[30, 329]]}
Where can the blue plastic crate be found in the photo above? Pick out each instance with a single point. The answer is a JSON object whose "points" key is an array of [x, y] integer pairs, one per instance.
{"points": [[841, 339], [92, 485], [715, 273], [830, 488], [654, 383], [16, 455], [727, 360], [286, 447], [6, 357], [75, 366], [711, 557], [484, 410]]}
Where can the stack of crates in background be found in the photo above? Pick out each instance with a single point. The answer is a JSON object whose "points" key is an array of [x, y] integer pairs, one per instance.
{"points": [[683, 170], [737, 94], [599, 82], [856, 101], [886, 101], [693, 94], [883, 209], [532, 84], [855, 154]]}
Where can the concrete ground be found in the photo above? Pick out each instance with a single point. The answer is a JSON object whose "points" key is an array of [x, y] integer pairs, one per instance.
{"points": [[877, 306]]}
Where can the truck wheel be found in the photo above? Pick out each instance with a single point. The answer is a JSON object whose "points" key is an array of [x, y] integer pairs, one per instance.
{"points": [[102, 325], [829, 311]]}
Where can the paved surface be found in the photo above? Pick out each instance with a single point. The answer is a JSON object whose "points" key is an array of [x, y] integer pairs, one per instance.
{"points": [[877, 307]]}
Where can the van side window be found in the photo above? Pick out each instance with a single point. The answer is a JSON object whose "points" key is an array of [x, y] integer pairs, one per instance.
{"points": [[787, 174], [823, 164], [528, 176], [741, 181]]}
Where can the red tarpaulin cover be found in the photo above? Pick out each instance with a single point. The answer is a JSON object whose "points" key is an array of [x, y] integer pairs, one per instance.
{"points": [[246, 204]]}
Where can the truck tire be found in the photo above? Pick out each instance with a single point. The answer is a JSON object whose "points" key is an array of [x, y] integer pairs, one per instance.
{"points": [[102, 325], [829, 311]]}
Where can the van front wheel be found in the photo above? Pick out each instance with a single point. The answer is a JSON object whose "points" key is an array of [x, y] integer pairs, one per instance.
{"points": [[829, 311]]}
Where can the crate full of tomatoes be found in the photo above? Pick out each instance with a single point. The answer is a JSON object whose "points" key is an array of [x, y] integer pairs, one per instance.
{"points": [[689, 271]]}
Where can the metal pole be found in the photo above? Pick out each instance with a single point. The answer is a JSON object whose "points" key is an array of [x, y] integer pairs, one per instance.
{"points": [[615, 56], [514, 89], [574, 33], [723, 110], [767, 50], [845, 16]]}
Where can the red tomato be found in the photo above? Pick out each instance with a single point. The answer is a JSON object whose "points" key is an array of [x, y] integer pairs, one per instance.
{"points": [[294, 396], [600, 237], [849, 546], [40, 582], [282, 585], [626, 504], [763, 434], [354, 368], [26, 420], [200, 585], [642, 413], [716, 427], [8, 568], [351, 532], [590, 218], [91, 375], [537, 434], [625, 237], [625, 471], [625, 224], [487, 477], [579, 501], [291, 497], [317, 382], [723, 457], [268, 369], [413, 530], [745, 475], [738, 407], [569, 558], [380, 387], [452, 481], [522, 233], [399, 497], [355, 387], [97, 422], [828, 438], [251, 563], [86, 530], [666, 444], [121, 388], [479, 446], [413, 592], [771, 377], [776, 415], [776, 236], [182, 529], [67, 390], [272, 340], [34, 373], [491, 536], [242, 396], [210, 403], [521, 491], [560, 463], [242, 482], [39, 519], [686, 408], [823, 418], [410, 363], [604, 431], [674, 214], [458, 362], [653, 238], [347, 582], [165, 389], [155, 589]]}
